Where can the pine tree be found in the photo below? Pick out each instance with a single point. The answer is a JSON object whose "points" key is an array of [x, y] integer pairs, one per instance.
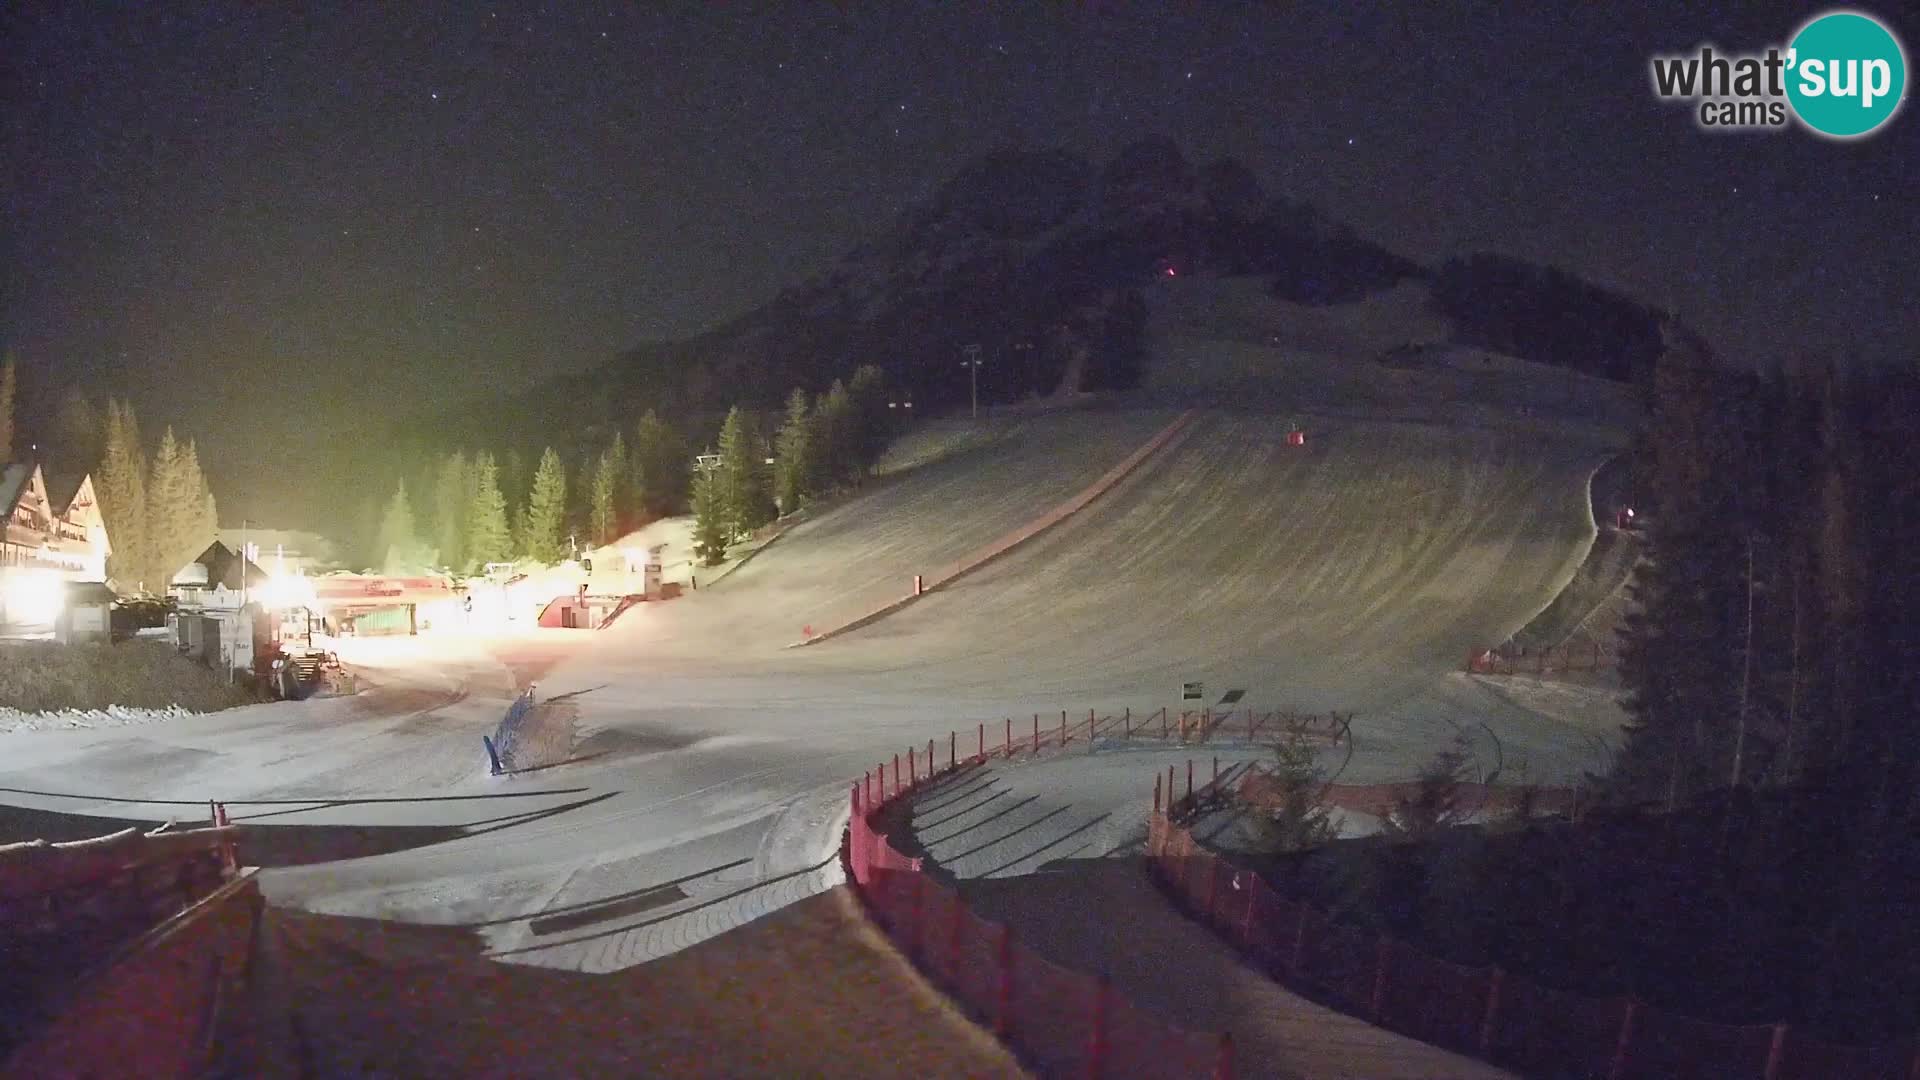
{"points": [[514, 488], [660, 466], [1680, 660], [121, 485], [452, 499], [872, 425], [623, 493], [709, 518], [171, 510], [603, 503], [1289, 813], [488, 540], [203, 516], [743, 474], [798, 464], [836, 436], [545, 522], [398, 541], [1436, 800], [7, 388]]}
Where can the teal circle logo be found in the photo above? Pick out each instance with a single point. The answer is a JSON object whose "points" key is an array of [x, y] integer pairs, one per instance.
{"points": [[1846, 74]]}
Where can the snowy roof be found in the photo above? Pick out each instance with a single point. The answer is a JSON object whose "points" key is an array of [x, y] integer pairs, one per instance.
{"points": [[220, 561], [89, 592]]}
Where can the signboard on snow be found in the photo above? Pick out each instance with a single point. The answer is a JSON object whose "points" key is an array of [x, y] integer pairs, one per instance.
{"points": [[1192, 691]]}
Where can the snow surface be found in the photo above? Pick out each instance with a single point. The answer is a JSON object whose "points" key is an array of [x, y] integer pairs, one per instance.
{"points": [[1353, 573], [12, 720]]}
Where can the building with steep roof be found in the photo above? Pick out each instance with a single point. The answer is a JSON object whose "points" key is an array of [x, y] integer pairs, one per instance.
{"points": [[44, 544]]}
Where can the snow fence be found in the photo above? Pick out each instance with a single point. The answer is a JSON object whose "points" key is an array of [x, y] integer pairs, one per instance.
{"points": [[1061, 1022], [1485, 1012]]}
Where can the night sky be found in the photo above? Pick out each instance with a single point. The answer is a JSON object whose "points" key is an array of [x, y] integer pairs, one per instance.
{"points": [[256, 224]]}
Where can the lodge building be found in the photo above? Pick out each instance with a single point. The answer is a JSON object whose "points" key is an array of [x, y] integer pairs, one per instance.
{"points": [[44, 542]]}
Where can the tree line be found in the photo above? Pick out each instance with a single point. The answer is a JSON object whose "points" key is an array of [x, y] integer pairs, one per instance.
{"points": [[1777, 626], [825, 442], [465, 509], [158, 508], [1777, 630]]}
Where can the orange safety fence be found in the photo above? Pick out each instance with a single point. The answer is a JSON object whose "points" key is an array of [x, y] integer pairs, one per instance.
{"points": [[1059, 1020], [1495, 1015], [124, 951], [168, 1005], [1011, 736]]}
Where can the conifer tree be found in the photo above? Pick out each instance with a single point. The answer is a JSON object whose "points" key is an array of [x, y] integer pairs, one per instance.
{"points": [[452, 500], [798, 460], [172, 507], [488, 540], [660, 466], [399, 543], [121, 485], [203, 516], [623, 489], [545, 522], [1678, 659], [743, 474], [709, 518], [1291, 815], [872, 425], [836, 436], [603, 503]]}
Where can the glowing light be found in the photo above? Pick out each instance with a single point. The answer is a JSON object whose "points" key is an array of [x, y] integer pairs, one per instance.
{"points": [[288, 590], [34, 596]]}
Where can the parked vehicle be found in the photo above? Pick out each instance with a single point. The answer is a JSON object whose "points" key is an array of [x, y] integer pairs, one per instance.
{"points": [[134, 614]]}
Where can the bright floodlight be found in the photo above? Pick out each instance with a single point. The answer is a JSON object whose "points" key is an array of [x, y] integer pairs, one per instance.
{"points": [[34, 596], [289, 590]]}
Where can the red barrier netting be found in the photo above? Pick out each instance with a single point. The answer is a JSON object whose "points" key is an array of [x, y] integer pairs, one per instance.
{"points": [[976, 971], [889, 892], [1664, 1044], [1139, 1043], [1052, 1013], [1186, 877], [1342, 961], [1533, 1027], [1050, 1010], [1270, 926], [1804, 1057], [1547, 1032], [1434, 1001], [942, 915]]}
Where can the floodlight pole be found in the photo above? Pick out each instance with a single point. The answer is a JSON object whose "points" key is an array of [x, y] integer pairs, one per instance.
{"points": [[972, 363], [239, 617]]}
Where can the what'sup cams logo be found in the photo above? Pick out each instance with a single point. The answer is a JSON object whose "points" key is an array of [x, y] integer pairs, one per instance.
{"points": [[1843, 75]]}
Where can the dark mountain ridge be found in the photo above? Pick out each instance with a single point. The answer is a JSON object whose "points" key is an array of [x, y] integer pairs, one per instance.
{"points": [[1038, 258]]}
